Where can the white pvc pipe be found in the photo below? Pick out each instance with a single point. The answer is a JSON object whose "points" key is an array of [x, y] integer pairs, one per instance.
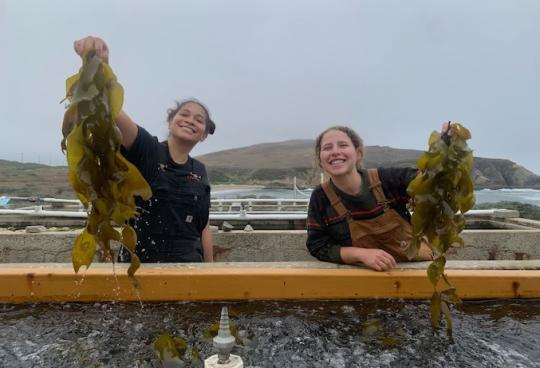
{"points": [[256, 216], [46, 200], [213, 201], [39, 212], [260, 200], [237, 215], [56, 200]]}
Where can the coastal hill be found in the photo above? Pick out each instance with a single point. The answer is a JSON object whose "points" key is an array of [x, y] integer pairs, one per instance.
{"points": [[28, 179], [278, 163], [271, 164]]}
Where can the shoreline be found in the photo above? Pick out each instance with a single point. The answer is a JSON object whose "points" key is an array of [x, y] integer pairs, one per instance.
{"points": [[233, 187]]}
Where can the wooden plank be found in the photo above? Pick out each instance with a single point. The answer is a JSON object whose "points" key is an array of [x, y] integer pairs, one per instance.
{"points": [[24, 283]]}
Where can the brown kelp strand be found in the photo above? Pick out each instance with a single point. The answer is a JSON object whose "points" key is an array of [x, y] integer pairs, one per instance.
{"points": [[175, 351], [441, 193], [101, 177]]}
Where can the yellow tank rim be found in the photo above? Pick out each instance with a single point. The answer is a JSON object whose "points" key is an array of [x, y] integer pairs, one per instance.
{"points": [[48, 282]]}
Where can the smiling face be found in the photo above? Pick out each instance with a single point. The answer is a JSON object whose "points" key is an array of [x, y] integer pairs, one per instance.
{"points": [[338, 156], [189, 123]]}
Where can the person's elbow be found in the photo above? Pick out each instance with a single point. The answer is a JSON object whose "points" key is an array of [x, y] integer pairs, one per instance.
{"points": [[315, 253], [319, 252]]}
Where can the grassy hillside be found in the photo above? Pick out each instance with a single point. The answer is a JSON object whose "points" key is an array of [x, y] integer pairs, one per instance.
{"points": [[271, 164], [278, 163], [20, 179], [297, 154]]}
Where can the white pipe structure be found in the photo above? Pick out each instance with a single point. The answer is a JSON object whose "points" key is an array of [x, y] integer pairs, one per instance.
{"points": [[46, 200], [38, 211], [213, 216], [214, 201], [257, 216], [252, 204], [260, 200]]}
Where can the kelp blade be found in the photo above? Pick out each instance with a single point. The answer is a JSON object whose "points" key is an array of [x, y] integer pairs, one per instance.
{"points": [[441, 194], [104, 181]]}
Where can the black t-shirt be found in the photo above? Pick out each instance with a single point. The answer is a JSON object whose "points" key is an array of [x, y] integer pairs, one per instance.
{"points": [[328, 232], [170, 224]]}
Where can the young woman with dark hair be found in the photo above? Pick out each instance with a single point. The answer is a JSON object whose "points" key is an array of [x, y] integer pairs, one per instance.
{"points": [[173, 225]]}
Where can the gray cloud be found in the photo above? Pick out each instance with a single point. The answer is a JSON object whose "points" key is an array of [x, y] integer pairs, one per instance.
{"points": [[277, 70]]}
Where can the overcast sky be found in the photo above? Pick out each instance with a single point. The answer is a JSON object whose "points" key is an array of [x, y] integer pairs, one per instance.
{"points": [[282, 69]]}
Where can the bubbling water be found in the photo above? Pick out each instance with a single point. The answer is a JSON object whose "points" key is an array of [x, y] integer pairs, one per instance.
{"points": [[273, 334]]}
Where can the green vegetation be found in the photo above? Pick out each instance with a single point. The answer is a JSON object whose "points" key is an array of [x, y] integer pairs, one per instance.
{"points": [[295, 158], [103, 180], [441, 194], [45, 181], [174, 351]]}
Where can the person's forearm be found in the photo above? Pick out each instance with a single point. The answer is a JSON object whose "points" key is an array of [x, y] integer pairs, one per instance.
{"points": [[128, 128], [351, 255], [207, 244]]}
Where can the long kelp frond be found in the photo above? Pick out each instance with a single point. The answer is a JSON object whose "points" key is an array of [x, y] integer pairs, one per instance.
{"points": [[442, 193], [102, 179]]}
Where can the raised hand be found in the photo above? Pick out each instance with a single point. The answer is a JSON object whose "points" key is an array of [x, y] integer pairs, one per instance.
{"points": [[92, 43]]}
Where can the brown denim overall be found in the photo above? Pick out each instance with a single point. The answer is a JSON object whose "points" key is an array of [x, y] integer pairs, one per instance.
{"points": [[389, 231]]}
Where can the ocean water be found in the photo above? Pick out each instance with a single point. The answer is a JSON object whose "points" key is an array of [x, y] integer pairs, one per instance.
{"points": [[530, 196], [260, 193]]}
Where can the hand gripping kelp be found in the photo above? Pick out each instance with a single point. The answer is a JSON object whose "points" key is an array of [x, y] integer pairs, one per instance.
{"points": [[441, 193], [103, 180]]}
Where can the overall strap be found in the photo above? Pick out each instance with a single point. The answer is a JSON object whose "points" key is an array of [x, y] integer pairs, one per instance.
{"points": [[334, 199], [376, 187]]}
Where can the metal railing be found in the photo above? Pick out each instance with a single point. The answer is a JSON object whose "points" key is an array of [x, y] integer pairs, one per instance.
{"points": [[259, 205], [220, 210]]}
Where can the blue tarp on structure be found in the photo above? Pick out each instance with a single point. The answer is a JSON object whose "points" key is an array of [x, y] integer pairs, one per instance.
{"points": [[4, 201]]}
